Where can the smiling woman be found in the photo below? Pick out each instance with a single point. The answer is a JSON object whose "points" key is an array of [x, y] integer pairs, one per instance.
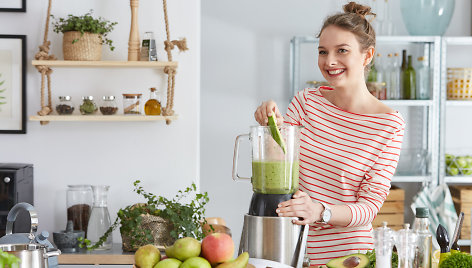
{"points": [[350, 144]]}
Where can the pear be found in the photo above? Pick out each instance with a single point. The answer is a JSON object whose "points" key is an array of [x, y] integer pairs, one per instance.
{"points": [[240, 262], [147, 256], [168, 263], [195, 262], [184, 248]]}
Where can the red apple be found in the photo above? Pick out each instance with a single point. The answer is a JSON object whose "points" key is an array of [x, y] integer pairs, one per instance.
{"points": [[217, 248]]}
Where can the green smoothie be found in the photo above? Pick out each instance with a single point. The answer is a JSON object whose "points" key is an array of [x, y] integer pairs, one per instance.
{"points": [[274, 177]]}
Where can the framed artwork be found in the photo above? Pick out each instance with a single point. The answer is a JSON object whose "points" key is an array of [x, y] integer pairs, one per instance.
{"points": [[13, 5], [13, 84]]}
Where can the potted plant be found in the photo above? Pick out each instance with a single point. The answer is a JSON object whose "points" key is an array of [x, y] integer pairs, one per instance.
{"points": [[159, 221], [83, 36]]}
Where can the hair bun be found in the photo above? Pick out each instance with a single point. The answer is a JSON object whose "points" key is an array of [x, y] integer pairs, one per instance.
{"points": [[361, 10]]}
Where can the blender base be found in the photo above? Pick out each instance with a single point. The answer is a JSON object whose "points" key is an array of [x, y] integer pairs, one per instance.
{"points": [[266, 204]]}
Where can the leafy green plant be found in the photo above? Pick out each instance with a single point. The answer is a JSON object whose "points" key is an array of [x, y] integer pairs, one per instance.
{"points": [[85, 23], [185, 218], [9, 260]]}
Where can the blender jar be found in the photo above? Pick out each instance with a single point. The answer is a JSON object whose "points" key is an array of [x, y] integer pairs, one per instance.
{"points": [[273, 171]]}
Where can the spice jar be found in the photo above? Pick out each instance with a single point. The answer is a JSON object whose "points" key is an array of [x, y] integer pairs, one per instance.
{"points": [[88, 105], [108, 105], [65, 105], [131, 103], [79, 205]]}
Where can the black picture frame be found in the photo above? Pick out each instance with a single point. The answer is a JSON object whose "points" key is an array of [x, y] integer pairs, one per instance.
{"points": [[22, 8], [13, 84]]}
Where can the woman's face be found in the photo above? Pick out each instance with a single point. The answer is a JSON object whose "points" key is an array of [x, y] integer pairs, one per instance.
{"points": [[340, 58]]}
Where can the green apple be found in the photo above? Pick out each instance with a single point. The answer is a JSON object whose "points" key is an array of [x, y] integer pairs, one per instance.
{"points": [[449, 158], [168, 263], [461, 162], [452, 171]]}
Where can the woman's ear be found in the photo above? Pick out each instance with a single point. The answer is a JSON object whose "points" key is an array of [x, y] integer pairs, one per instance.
{"points": [[369, 55]]}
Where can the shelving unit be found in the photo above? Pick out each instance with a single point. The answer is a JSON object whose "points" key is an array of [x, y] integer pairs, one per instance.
{"points": [[426, 112], [103, 64]]}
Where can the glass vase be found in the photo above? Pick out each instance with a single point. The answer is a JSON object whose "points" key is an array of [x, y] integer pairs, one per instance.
{"points": [[99, 221], [427, 17]]}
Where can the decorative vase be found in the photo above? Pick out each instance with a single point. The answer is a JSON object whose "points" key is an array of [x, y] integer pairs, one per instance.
{"points": [[427, 17], [87, 47]]}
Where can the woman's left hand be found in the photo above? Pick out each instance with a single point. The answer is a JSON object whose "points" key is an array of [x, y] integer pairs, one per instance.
{"points": [[302, 207]]}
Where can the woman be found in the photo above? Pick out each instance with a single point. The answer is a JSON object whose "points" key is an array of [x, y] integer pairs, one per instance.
{"points": [[350, 144]]}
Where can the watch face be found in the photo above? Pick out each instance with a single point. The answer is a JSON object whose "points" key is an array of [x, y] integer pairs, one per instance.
{"points": [[326, 215]]}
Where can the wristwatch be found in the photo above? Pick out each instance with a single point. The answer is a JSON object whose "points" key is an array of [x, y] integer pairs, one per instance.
{"points": [[326, 214]]}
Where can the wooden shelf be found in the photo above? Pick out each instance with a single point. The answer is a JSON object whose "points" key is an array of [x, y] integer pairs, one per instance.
{"points": [[101, 118], [98, 257], [126, 64]]}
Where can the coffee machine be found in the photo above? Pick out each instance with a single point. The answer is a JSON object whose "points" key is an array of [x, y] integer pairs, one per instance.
{"points": [[275, 169], [16, 186]]}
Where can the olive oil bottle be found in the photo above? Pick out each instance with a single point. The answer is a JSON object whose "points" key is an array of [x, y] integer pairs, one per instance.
{"points": [[152, 105]]}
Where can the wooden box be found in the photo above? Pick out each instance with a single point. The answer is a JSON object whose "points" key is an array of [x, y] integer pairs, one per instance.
{"points": [[392, 210], [462, 197]]}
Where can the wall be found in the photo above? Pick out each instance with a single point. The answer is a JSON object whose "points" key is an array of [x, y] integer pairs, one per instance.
{"points": [[253, 37], [164, 157]]}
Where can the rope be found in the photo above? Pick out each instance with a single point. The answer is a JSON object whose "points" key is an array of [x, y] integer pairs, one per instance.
{"points": [[43, 54], [171, 71]]}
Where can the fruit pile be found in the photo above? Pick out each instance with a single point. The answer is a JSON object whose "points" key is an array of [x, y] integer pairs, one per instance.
{"points": [[458, 165], [215, 250]]}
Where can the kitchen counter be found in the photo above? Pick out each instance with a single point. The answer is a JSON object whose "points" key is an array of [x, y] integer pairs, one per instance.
{"points": [[98, 257]]}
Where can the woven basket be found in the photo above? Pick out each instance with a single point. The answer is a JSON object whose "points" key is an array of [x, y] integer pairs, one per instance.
{"points": [[160, 230], [459, 83], [88, 46]]}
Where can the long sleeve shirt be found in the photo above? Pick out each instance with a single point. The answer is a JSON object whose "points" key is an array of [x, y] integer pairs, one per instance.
{"points": [[345, 158]]}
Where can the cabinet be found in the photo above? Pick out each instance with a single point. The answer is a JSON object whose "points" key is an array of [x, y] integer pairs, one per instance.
{"points": [[454, 136], [103, 64], [419, 156]]}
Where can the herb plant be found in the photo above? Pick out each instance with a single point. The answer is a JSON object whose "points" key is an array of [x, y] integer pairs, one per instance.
{"points": [[83, 24], [185, 218], [8, 259]]}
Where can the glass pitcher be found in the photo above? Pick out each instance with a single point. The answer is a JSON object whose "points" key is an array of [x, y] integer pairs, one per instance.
{"points": [[99, 221], [273, 170]]}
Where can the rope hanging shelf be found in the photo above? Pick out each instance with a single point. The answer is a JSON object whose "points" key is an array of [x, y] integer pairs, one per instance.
{"points": [[44, 61]]}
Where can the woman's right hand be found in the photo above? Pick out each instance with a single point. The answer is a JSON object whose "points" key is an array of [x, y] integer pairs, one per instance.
{"points": [[266, 109]]}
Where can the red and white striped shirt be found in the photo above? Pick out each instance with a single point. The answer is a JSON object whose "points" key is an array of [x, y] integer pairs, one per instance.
{"points": [[345, 158]]}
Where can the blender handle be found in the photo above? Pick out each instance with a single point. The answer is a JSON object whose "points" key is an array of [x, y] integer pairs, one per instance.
{"points": [[235, 158]]}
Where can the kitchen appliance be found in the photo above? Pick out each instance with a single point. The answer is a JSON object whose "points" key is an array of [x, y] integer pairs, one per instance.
{"points": [[16, 186], [28, 245], [274, 179]]}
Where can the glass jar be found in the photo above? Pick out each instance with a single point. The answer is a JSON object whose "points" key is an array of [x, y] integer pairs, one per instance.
{"points": [[99, 221], [79, 205], [88, 106], [108, 105], [132, 103], [65, 105]]}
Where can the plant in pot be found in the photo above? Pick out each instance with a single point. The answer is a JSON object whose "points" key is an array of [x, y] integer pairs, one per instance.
{"points": [[159, 221], [83, 36]]}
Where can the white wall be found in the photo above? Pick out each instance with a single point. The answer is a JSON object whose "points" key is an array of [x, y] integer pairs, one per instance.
{"points": [[245, 60], [166, 158]]}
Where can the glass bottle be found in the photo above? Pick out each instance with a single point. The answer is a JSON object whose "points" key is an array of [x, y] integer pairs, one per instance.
{"points": [[108, 105], [409, 81], [396, 78], [65, 105], [424, 244], [99, 221], [384, 239], [88, 105], [380, 67], [152, 105], [79, 205], [403, 68], [372, 76], [388, 71], [132, 104], [422, 79]]}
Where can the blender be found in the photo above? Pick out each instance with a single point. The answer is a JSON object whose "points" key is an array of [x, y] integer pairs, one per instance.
{"points": [[274, 180]]}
